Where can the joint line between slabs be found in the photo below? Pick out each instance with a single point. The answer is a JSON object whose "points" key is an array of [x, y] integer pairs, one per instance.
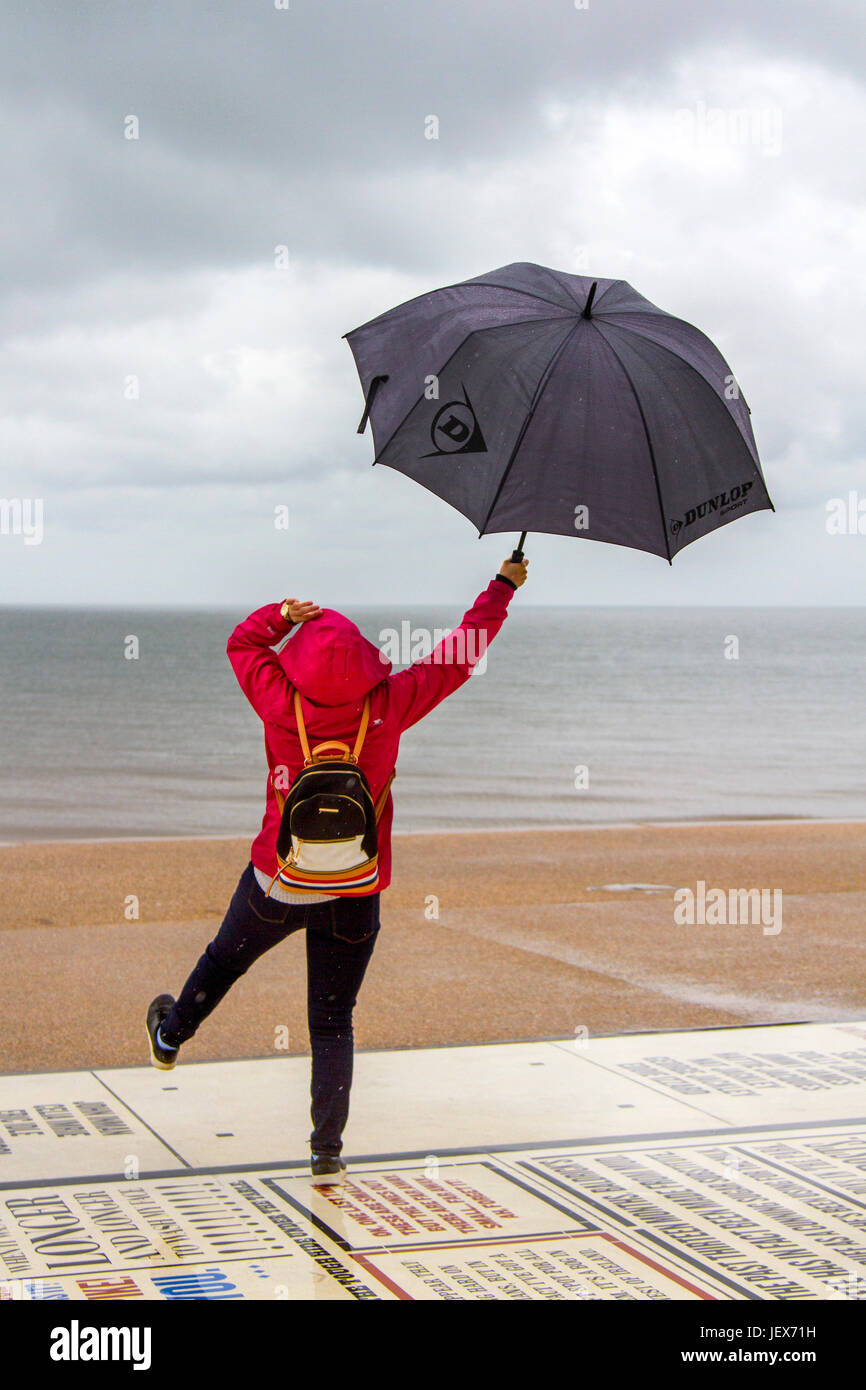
{"points": [[180, 1158]]}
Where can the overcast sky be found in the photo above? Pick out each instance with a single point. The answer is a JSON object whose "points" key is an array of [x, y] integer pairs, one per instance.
{"points": [[603, 140]]}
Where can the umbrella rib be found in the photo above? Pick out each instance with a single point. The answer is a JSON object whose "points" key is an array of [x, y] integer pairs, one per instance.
{"points": [[649, 446], [554, 318], [526, 423], [695, 371]]}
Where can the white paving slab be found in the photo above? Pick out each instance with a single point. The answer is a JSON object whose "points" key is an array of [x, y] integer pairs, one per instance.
{"points": [[224, 1112], [66, 1123], [427, 1100], [805, 1071]]}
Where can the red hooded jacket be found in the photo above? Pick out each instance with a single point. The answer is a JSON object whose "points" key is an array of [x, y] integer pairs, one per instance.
{"points": [[333, 667]]}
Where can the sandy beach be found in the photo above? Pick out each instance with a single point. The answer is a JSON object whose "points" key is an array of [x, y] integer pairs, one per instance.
{"points": [[532, 940]]}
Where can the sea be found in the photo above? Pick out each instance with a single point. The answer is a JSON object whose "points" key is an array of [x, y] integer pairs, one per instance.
{"points": [[129, 722]]}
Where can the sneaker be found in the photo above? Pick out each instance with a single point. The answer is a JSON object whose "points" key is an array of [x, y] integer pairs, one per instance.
{"points": [[327, 1170], [162, 1057]]}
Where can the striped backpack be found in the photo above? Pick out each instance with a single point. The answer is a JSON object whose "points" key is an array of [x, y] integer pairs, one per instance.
{"points": [[328, 836]]}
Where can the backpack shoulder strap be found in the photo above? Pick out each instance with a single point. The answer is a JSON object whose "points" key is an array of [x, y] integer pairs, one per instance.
{"points": [[362, 731], [383, 796], [302, 732]]}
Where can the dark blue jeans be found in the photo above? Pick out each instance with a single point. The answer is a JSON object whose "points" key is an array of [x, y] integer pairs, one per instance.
{"points": [[340, 938]]}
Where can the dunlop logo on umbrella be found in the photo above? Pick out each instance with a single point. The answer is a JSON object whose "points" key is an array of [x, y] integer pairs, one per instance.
{"points": [[455, 429], [722, 502]]}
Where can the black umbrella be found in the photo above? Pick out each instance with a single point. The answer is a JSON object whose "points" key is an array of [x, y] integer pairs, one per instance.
{"points": [[533, 400]]}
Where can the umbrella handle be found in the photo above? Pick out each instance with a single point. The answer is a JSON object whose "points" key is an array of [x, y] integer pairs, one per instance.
{"points": [[517, 554], [371, 396]]}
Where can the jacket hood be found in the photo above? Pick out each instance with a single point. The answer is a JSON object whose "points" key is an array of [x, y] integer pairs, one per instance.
{"points": [[330, 661]]}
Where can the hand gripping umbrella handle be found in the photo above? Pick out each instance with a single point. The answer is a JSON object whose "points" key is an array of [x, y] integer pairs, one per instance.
{"points": [[517, 555]]}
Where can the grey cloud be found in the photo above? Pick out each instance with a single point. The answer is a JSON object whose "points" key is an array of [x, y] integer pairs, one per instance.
{"points": [[250, 116]]}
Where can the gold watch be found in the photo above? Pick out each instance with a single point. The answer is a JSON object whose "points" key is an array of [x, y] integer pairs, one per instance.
{"points": [[284, 610]]}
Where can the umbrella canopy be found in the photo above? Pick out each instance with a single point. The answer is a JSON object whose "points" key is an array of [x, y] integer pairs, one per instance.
{"points": [[533, 400]]}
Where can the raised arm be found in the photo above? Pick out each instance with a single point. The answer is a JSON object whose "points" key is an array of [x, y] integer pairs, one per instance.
{"points": [[423, 685], [257, 667]]}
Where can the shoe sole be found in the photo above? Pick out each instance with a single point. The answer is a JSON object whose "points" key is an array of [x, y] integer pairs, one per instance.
{"points": [[154, 1060], [329, 1179]]}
